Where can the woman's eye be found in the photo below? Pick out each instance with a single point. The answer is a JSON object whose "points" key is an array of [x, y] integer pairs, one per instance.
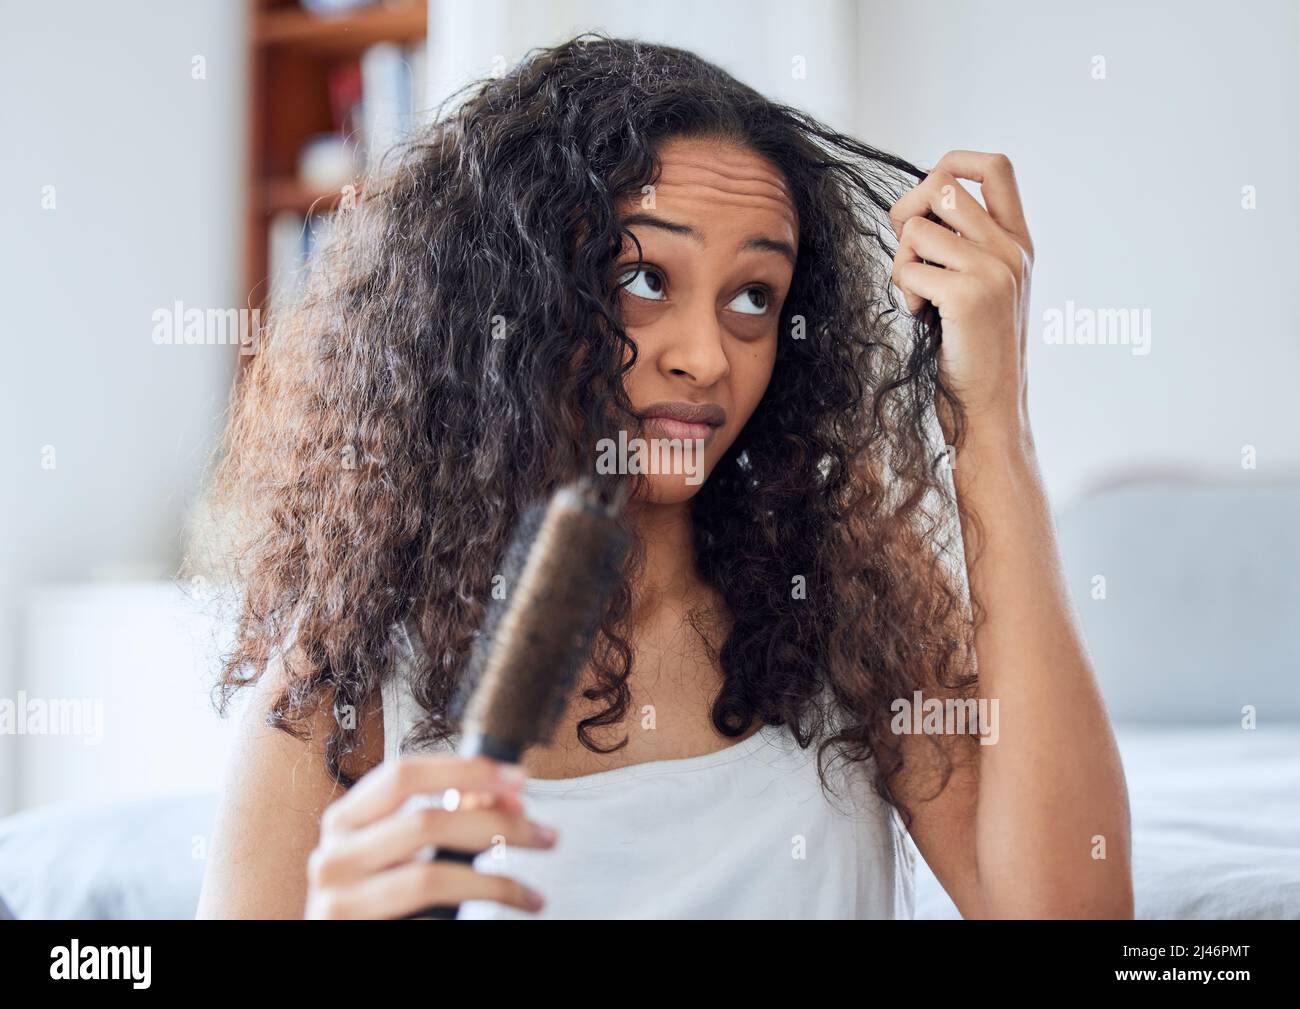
{"points": [[643, 283], [751, 301]]}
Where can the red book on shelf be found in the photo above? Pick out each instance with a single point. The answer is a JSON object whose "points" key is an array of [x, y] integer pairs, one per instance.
{"points": [[345, 96]]}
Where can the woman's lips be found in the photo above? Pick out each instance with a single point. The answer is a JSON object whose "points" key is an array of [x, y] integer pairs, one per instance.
{"points": [[665, 427]]}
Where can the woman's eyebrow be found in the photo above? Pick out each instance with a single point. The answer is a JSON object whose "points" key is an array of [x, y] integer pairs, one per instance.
{"points": [[771, 245], [759, 242], [653, 221]]}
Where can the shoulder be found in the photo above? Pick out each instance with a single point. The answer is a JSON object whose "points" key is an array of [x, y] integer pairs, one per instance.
{"points": [[268, 821], [277, 786]]}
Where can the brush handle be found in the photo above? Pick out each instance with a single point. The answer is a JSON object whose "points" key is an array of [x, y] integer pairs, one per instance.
{"points": [[447, 912], [524, 667], [473, 746]]}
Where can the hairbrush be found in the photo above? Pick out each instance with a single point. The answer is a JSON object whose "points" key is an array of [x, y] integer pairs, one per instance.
{"points": [[560, 569]]}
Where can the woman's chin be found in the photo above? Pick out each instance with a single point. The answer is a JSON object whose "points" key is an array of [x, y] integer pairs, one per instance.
{"points": [[669, 488]]}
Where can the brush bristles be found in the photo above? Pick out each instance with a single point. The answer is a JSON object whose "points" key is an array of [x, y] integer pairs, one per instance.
{"points": [[542, 638]]}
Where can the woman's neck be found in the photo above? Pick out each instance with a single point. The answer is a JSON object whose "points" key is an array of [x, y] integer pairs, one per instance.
{"points": [[669, 575]]}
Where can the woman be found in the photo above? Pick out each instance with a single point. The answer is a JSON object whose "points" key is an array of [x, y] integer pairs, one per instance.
{"points": [[619, 238]]}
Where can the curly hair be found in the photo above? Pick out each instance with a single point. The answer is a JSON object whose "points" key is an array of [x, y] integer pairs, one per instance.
{"points": [[460, 347]]}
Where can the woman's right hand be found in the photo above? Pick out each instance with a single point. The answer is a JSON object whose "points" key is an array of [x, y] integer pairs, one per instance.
{"points": [[365, 865]]}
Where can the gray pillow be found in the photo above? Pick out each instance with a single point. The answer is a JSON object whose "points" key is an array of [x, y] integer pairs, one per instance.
{"points": [[125, 860], [1201, 597]]}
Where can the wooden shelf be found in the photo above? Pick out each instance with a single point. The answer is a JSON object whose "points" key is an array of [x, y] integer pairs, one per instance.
{"points": [[290, 194], [292, 55]]}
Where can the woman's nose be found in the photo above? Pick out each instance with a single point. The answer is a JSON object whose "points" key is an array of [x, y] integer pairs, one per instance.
{"points": [[695, 348]]}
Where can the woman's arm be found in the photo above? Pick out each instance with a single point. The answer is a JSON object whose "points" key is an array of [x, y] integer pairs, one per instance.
{"points": [[269, 820], [1038, 824]]}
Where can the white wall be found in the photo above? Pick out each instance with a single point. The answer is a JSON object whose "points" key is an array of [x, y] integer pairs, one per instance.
{"points": [[1133, 190], [145, 160], [756, 41]]}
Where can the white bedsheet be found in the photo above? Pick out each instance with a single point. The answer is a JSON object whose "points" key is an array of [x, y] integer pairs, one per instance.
{"points": [[1216, 824]]}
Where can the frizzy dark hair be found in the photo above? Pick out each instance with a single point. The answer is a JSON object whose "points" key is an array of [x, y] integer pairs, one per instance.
{"points": [[385, 442]]}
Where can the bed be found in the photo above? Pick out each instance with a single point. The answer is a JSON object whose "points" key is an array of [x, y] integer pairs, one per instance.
{"points": [[1216, 824], [1216, 835]]}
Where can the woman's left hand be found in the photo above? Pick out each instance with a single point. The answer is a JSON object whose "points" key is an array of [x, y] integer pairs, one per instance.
{"points": [[977, 277]]}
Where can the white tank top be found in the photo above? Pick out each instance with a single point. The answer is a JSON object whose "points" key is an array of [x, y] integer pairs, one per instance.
{"points": [[743, 832]]}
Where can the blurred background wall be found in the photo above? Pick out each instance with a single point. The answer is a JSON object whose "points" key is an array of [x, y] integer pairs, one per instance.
{"points": [[1134, 187], [144, 164], [1157, 147]]}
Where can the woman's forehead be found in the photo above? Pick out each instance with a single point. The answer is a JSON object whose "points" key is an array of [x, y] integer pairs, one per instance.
{"points": [[711, 185]]}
